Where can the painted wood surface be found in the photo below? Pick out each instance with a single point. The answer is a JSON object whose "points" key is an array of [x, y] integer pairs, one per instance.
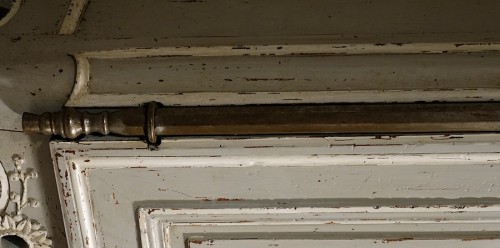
{"points": [[72, 18], [308, 73], [250, 227], [440, 185], [36, 73]]}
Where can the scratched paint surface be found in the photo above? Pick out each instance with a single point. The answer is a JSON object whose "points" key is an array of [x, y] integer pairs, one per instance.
{"points": [[174, 226], [344, 185], [292, 73], [36, 73], [112, 180], [272, 74]]}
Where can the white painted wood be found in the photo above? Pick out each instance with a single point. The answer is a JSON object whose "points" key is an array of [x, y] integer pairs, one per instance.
{"points": [[432, 186], [172, 227], [72, 18], [313, 73]]}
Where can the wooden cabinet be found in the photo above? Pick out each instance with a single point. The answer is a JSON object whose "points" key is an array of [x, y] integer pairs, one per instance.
{"points": [[421, 191]]}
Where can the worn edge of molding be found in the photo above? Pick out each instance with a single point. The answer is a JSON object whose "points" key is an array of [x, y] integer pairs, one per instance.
{"points": [[30, 230], [298, 50], [16, 5], [82, 79], [73, 16], [75, 198], [72, 165], [76, 210], [82, 96], [80, 99], [155, 224]]}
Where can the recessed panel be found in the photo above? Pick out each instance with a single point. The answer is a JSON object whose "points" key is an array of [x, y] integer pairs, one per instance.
{"points": [[240, 74], [120, 193]]}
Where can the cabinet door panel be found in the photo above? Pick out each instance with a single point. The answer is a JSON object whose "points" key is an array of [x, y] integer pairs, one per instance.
{"points": [[407, 191]]}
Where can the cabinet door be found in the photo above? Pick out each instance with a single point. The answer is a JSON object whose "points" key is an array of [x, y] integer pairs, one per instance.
{"points": [[421, 191]]}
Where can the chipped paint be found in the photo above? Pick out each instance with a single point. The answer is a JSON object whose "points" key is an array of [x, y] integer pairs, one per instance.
{"points": [[393, 179], [72, 18], [300, 92], [251, 224]]}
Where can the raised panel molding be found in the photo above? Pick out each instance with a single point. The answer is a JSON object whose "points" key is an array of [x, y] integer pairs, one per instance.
{"points": [[180, 228], [313, 73], [193, 190]]}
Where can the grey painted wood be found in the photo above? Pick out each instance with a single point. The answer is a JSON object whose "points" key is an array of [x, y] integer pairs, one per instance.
{"points": [[293, 73], [102, 184], [36, 73], [248, 227], [307, 73]]}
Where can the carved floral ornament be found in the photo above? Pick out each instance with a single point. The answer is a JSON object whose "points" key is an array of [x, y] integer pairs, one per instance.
{"points": [[17, 224]]}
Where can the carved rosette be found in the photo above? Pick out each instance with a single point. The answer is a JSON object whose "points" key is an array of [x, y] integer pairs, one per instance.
{"points": [[17, 224]]}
